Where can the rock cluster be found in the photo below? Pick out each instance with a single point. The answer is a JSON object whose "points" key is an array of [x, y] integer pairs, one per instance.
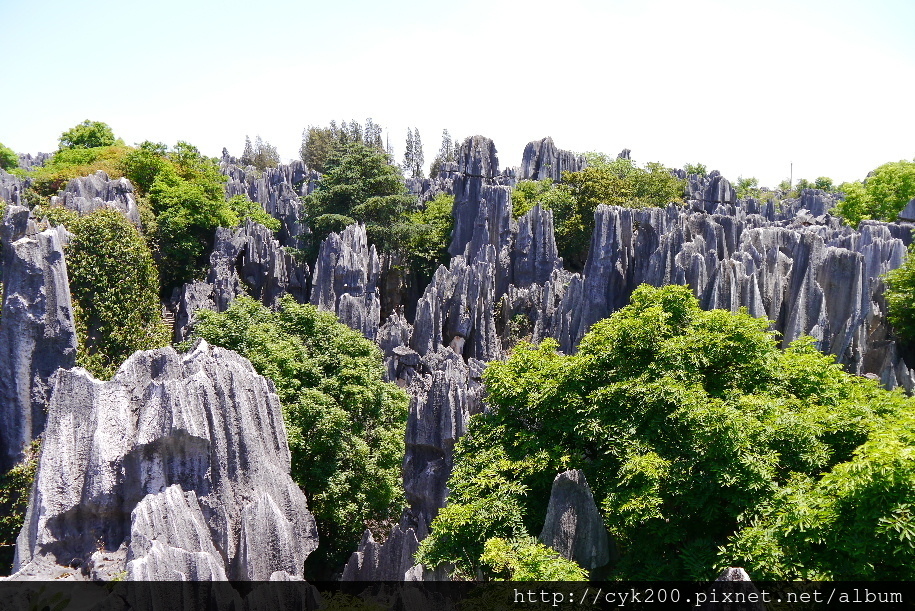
{"points": [[37, 331], [29, 161], [178, 468], [83, 195], [277, 190], [247, 260], [346, 280], [574, 526], [10, 188], [542, 160]]}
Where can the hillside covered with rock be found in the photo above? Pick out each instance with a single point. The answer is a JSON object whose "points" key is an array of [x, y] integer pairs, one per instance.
{"points": [[180, 466]]}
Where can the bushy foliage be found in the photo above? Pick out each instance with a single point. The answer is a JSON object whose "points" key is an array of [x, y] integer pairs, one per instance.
{"points": [[319, 143], [686, 423], [881, 196], [87, 135], [67, 164], [747, 187], [360, 185], [431, 235], [900, 297], [15, 488], [526, 559], [614, 182], [345, 425], [186, 196], [8, 158], [696, 168], [261, 154], [115, 291], [447, 152]]}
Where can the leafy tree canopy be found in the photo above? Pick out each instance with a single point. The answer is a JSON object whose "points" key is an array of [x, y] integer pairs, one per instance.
{"points": [[115, 290], [360, 184], [8, 158], [610, 181], [319, 143], [881, 196], [87, 135], [900, 297], [346, 426], [261, 155], [693, 429]]}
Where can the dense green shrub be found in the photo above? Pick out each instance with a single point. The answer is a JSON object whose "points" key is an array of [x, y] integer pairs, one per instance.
{"points": [[687, 425], [115, 291], [15, 488], [882, 195], [614, 182], [8, 158], [430, 236], [900, 297], [346, 426], [87, 135]]}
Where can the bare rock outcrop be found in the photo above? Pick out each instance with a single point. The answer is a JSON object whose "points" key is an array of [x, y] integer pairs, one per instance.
{"points": [[346, 280], [176, 468], [277, 190], [573, 526], [37, 331], [248, 260], [542, 159], [10, 188], [389, 561], [86, 194]]}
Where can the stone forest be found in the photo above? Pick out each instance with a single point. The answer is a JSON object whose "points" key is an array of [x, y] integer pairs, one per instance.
{"points": [[339, 369]]}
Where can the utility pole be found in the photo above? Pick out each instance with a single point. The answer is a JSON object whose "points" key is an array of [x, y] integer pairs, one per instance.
{"points": [[791, 176]]}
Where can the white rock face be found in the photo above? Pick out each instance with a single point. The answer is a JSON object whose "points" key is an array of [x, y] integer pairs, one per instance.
{"points": [[181, 459]]}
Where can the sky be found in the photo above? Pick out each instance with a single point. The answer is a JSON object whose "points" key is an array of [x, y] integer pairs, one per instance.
{"points": [[748, 88]]}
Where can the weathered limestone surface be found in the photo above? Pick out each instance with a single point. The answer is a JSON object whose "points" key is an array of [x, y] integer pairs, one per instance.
{"points": [[573, 526], [89, 193], [389, 561], [178, 468], [29, 161], [10, 188], [277, 190], [542, 160], [37, 332], [809, 274], [346, 280], [244, 261], [249, 260]]}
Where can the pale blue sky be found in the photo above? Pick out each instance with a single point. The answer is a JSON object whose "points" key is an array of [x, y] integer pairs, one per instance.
{"points": [[744, 87]]}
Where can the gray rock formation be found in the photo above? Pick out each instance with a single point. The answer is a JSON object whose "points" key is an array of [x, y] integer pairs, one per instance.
{"points": [[277, 190], [83, 195], [908, 213], [389, 561], [249, 260], [810, 275], [244, 261], [478, 165], [541, 160], [37, 332], [10, 189], [346, 280], [573, 526], [534, 255], [176, 468], [29, 161]]}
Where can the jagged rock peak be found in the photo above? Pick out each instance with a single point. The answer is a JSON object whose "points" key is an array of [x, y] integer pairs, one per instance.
{"points": [[478, 157], [542, 159], [88, 193], [177, 468], [573, 526], [346, 280], [37, 330]]}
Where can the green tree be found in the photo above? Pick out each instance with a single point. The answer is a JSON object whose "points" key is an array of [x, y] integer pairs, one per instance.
{"points": [[447, 152], [265, 155], [360, 185], [15, 489], [8, 158], [430, 236], [881, 196], [686, 423], [696, 168], [614, 182], [115, 291], [747, 187], [87, 135], [345, 425], [900, 297], [247, 156]]}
